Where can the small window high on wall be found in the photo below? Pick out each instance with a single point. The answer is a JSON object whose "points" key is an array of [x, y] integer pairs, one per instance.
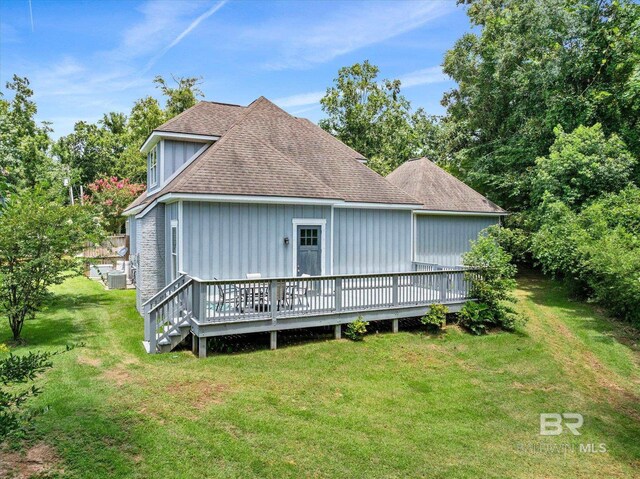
{"points": [[153, 166]]}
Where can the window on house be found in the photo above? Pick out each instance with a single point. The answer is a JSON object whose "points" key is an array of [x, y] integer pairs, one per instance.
{"points": [[153, 166], [174, 249], [309, 237]]}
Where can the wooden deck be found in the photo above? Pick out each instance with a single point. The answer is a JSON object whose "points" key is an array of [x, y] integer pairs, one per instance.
{"points": [[207, 308]]}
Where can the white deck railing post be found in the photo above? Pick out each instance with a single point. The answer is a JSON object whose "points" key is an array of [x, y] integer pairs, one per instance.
{"points": [[394, 290], [153, 348], [195, 298], [443, 286], [338, 293], [273, 299]]}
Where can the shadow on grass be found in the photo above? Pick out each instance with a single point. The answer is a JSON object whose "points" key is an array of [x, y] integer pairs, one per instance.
{"points": [[57, 323]]}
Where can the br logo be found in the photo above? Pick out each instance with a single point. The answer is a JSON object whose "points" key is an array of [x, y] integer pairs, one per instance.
{"points": [[552, 424]]}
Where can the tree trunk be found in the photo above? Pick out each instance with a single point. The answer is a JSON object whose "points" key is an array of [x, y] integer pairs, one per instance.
{"points": [[16, 324]]}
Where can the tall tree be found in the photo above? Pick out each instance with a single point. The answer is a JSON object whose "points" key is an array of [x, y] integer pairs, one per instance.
{"points": [[181, 97], [536, 64], [24, 144], [375, 119]]}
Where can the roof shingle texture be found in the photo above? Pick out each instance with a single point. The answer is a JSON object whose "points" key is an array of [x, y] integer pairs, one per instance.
{"points": [[264, 151], [438, 190]]}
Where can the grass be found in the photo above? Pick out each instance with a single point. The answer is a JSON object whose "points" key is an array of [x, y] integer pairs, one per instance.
{"points": [[394, 405]]}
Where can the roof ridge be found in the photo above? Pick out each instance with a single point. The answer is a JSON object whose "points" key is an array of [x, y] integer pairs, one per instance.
{"points": [[329, 137], [184, 176], [221, 103]]}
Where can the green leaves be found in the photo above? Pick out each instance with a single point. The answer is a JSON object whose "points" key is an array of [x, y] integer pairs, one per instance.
{"points": [[373, 118], [39, 238]]}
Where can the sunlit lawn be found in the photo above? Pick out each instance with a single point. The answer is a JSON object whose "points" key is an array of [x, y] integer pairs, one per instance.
{"points": [[394, 405]]}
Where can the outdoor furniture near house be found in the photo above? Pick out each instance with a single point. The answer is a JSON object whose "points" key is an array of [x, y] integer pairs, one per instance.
{"points": [[256, 295], [297, 293], [231, 295]]}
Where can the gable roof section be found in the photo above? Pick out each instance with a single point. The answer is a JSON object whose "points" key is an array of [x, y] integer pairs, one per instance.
{"points": [[438, 190], [264, 151], [204, 118]]}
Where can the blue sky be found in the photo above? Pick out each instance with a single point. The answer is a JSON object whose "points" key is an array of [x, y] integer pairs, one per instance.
{"points": [[85, 58]]}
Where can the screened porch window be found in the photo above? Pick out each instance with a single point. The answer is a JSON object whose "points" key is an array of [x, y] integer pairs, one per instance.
{"points": [[153, 166]]}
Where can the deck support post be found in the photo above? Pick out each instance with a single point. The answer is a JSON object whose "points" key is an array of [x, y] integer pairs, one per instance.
{"points": [[394, 325], [202, 347], [274, 340], [337, 331], [194, 343]]}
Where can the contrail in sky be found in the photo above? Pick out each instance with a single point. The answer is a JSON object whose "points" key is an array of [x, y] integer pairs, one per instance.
{"points": [[31, 15]]}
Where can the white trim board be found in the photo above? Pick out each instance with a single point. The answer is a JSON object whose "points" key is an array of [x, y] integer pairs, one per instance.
{"points": [[457, 213], [286, 200], [156, 136], [323, 229]]}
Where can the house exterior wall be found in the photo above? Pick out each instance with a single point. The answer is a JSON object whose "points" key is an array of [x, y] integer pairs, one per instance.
{"points": [[176, 154], [131, 227], [227, 240], [150, 238], [444, 239], [371, 240], [170, 214]]}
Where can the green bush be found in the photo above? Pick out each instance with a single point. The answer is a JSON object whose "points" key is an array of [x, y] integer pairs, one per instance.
{"points": [[596, 251], [356, 329], [476, 317], [492, 288], [436, 317]]}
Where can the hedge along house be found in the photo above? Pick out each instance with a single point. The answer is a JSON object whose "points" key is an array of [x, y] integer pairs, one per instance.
{"points": [[258, 221]]}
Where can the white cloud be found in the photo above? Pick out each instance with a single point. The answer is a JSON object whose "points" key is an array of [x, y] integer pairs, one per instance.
{"points": [[301, 42], [185, 32], [301, 99], [424, 77], [106, 75]]}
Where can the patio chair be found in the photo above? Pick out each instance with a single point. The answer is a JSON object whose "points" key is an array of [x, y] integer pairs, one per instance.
{"points": [[298, 292], [257, 294], [229, 294]]}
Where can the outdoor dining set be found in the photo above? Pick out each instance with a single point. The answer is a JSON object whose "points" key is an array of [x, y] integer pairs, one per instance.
{"points": [[256, 296]]}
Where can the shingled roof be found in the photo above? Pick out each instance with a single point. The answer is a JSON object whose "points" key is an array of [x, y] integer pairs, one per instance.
{"points": [[438, 190], [264, 151]]}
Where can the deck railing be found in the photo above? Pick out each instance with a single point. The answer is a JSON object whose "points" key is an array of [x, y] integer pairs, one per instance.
{"points": [[221, 301]]}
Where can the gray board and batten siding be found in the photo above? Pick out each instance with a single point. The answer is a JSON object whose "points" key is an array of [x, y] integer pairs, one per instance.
{"points": [[442, 239]]}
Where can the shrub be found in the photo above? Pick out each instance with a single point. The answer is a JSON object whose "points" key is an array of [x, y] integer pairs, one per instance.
{"points": [[436, 317], [476, 317], [493, 287], [356, 329], [15, 371]]}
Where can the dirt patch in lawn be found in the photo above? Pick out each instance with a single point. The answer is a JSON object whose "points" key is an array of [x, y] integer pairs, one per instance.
{"points": [[198, 394], [87, 361], [39, 460]]}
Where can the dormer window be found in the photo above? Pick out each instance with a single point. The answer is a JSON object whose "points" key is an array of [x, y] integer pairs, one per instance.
{"points": [[153, 166]]}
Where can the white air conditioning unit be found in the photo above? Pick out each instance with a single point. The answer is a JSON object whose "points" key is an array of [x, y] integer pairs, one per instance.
{"points": [[116, 280]]}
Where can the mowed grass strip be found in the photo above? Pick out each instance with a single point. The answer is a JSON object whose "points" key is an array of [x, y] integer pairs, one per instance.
{"points": [[395, 405]]}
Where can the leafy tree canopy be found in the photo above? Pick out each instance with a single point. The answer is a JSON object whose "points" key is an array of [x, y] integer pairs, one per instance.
{"points": [[373, 118], [532, 66], [581, 165]]}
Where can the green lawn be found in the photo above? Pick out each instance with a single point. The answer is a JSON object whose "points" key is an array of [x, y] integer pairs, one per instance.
{"points": [[395, 405]]}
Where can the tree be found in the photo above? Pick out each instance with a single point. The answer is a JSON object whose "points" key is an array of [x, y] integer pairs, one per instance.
{"points": [[181, 97], [90, 151], [533, 65], [39, 237], [374, 119], [111, 196], [24, 145], [582, 165]]}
